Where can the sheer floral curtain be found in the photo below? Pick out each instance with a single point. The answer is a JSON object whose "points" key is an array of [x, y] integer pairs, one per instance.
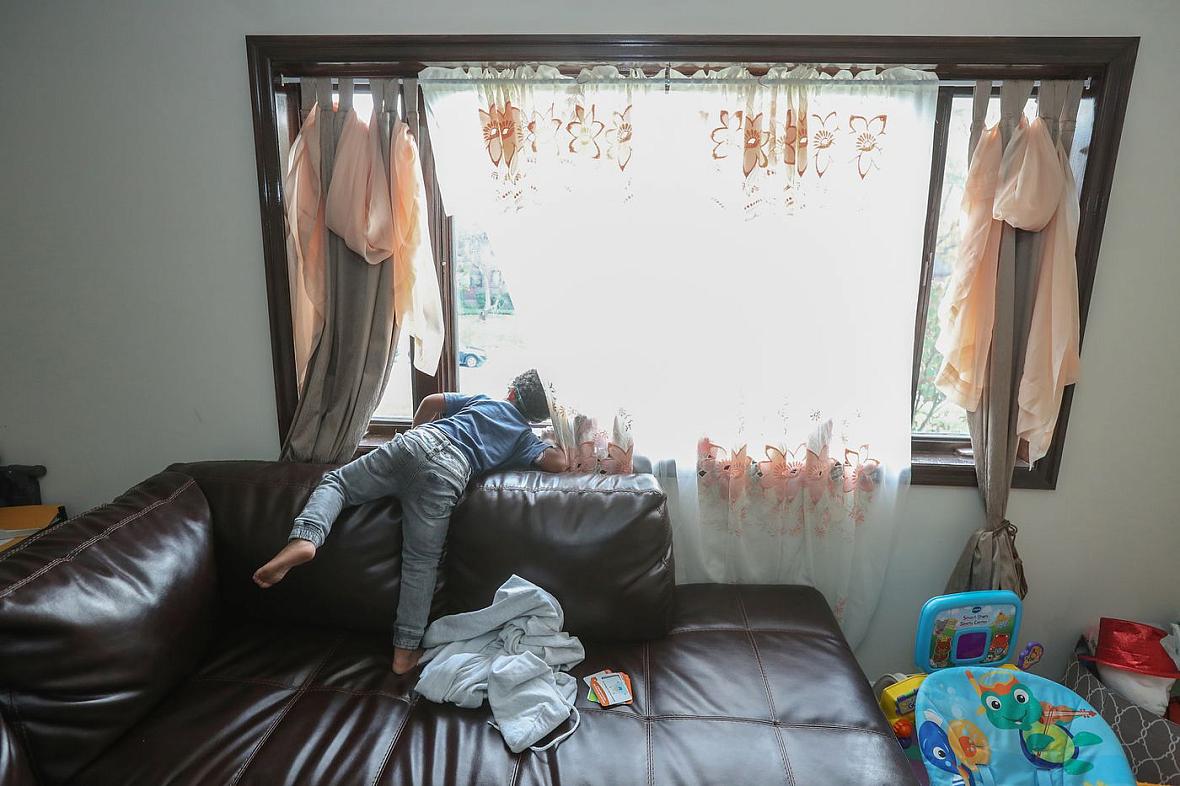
{"points": [[734, 261]]}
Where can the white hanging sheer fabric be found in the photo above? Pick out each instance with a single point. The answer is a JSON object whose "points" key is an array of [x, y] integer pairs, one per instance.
{"points": [[1053, 357], [417, 301], [734, 261]]}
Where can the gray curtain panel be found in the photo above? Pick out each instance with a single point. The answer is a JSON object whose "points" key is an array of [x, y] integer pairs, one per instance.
{"points": [[990, 559], [349, 365]]}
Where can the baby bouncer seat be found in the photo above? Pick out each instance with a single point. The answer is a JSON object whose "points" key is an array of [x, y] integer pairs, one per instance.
{"points": [[1005, 727]]}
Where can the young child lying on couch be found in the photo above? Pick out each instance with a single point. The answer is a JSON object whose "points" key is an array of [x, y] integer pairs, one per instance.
{"points": [[454, 437]]}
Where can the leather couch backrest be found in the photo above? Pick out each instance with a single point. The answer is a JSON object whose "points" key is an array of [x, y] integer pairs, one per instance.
{"points": [[353, 581], [601, 544], [100, 617]]}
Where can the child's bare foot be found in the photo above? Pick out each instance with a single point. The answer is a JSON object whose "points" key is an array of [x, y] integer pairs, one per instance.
{"points": [[405, 660], [296, 552]]}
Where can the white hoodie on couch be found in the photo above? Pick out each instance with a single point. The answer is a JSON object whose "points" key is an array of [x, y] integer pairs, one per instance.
{"points": [[515, 655]]}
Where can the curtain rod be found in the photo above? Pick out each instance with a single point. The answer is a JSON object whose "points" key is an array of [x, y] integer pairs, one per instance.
{"points": [[362, 83], [947, 73], [389, 70], [681, 81], [653, 68]]}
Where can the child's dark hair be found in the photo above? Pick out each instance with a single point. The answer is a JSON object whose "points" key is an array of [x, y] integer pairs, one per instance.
{"points": [[530, 396]]}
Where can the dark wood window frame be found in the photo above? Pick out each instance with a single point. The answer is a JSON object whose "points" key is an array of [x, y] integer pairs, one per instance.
{"points": [[1108, 64]]}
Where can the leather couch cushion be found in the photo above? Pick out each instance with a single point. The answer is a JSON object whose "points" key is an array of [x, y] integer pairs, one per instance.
{"points": [[100, 617], [601, 544], [753, 685]]}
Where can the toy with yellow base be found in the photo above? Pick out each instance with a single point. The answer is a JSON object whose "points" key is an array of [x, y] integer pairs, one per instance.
{"points": [[963, 629]]}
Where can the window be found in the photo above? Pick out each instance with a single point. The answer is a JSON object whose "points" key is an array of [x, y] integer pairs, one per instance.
{"points": [[486, 345]]}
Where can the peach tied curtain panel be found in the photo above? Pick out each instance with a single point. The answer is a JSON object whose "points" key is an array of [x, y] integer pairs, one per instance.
{"points": [[732, 258], [1009, 320], [359, 262]]}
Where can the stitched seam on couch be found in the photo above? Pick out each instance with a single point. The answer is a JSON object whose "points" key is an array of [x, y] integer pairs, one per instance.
{"points": [[283, 713], [650, 751], [651, 756], [734, 629], [23, 733], [310, 689], [835, 727], [647, 706], [245, 681], [526, 489], [51, 528], [36, 536], [730, 719], [612, 712], [350, 692], [253, 482], [765, 684], [396, 738], [74, 552]]}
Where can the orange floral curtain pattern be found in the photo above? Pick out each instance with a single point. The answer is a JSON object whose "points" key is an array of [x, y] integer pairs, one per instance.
{"points": [[532, 125], [784, 477], [587, 444], [765, 138], [789, 128], [805, 511], [780, 123]]}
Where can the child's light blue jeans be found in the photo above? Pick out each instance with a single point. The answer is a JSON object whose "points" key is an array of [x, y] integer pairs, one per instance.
{"points": [[423, 469]]}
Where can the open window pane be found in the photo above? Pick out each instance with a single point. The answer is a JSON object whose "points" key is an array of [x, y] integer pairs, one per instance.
{"points": [[397, 402], [933, 414], [491, 348], [283, 126]]}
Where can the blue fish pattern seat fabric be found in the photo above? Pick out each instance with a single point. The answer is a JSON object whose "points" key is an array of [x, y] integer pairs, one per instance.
{"points": [[1002, 727]]}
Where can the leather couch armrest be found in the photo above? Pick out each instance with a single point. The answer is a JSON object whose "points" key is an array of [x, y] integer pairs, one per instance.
{"points": [[100, 617]]}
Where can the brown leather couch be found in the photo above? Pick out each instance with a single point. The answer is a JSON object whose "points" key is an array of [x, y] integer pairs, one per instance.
{"points": [[134, 648]]}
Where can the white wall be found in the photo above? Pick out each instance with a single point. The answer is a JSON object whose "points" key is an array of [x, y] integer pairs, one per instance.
{"points": [[133, 326]]}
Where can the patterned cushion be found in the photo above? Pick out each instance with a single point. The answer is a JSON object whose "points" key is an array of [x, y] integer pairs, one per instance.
{"points": [[1152, 744]]}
